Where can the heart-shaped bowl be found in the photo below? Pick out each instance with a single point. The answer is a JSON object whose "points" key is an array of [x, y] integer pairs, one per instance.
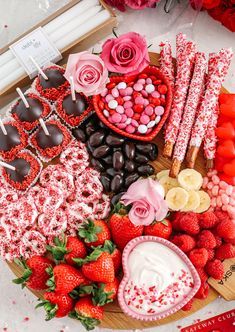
{"points": [[150, 70], [144, 267]]}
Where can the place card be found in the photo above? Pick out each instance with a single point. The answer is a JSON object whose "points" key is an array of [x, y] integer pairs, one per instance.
{"points": [[37, 45]]}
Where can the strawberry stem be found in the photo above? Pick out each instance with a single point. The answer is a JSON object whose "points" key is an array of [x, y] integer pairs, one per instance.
{"points": [[88, 231], [26, 273], [91, 258], [88, 322]]}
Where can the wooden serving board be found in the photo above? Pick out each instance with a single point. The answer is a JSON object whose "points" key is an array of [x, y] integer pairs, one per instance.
{"points": [[114, 317]]}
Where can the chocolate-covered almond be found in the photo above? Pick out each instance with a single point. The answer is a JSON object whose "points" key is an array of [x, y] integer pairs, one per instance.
{"points": [[145, 170], [112, 172], [101, 151], [129, 150], [144, 148], [79, 134], [90, 148], [129, 166], [130, 179], [105, 180], [113, 140], [96, 138], [116, 183], [154, 152], [90, 129], [97, 164], [118, 160], [108, 159], [116, 198], [141, 159]]}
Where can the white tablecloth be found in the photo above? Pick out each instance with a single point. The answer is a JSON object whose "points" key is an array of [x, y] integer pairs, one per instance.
{"points": [[17, 312]]}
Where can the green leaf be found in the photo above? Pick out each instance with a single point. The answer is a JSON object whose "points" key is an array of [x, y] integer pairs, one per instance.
{"points": [[88, 322], [100, 297], [81, 290], [24, 278], [109, 246], [91, 258], [88, 231]]}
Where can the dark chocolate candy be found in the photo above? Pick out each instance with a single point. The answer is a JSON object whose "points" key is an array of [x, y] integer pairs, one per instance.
{"points": [[77, 107], [79, 134], [129, 166], [101, 151], [154, 152], [55, 78], [116, 183], [30, 114], [54, 139], [129, 149], [22, 169], [116, 198], [145, 169], [141, 159], [105, 180], [113, 140], [97, 138], [144, 148], [130, 179], [118, 160], [12, 139], [97, 164]]}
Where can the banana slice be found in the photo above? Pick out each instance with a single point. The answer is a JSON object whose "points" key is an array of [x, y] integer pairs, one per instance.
{"points": [[190, 179], [162, 173], [193, 201], [168, 183], [177, 198], [205, 202]]}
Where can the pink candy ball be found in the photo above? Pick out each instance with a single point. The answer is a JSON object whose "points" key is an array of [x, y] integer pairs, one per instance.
{"points": [[115, 93], [121, 125], [159, 110], [129, 112], [116, 117], [155, 94], [144, 93], [149, 110], [129, 91], [139, 100], [120, 109], [123, 92], [124, 118], [138, 87], [144, 119], [108, 98], [149, 80], [128, 104], [127, 98], [141, 81], [134, 123], [130, 129], [146, 102]]}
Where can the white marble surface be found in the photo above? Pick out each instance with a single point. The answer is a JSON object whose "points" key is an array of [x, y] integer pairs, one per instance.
{"points": [[17, 312]]}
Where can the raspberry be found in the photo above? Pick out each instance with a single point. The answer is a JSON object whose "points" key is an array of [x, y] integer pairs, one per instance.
{"points": [[230, 240], [211, 254], [202, 274], [203, 291], [206, 240], [188, 306], [189, 223], [226, 229], [198, 257], [227, 250], [208, 219], [175, 221], [184, 242], [221, 215], [218, 241], [215, 269]]}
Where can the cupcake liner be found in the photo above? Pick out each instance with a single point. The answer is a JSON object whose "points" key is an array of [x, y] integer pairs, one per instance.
{"points": [[50, 94], [48, 154], [72, 121], [32, 178], [156, 316]]}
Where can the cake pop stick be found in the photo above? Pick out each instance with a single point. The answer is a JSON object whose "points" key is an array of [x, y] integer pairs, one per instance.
{"points": [[20, 93], [181, 89], [3, 127], [209, 103], [72, 88], [7, 166], [188, 118], [38, 68], [44, 127], [166, 62]]}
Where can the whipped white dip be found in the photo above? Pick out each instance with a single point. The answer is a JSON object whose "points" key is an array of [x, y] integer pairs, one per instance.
{"points": [[159, 279]]}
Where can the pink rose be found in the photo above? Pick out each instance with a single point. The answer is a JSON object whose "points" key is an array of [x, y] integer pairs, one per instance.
{"points": [[140, 4], [127, 54], [88, 71], [147, 199]]}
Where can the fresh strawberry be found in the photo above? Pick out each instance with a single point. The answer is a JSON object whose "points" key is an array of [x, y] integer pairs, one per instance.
{"points": [[226, 229], [203, 291], [87, 313], [207, 219], [94, 232], [66, 249], [161, 228], [56, 305], [211, 254], [215, 269], [189, 223], [123, 230], [115, 253], [206, 240], [184, 242], [105, 293], [226, 250], [98, 266], [202, 274], [198, 257], [188, 306], [35, 274], [64, 278]]}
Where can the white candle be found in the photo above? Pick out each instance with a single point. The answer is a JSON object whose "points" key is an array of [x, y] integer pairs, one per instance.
{"points": [[22, 96], [44, 127], [9, 67], [72, 88], [38, 68], [6, 57], [74, 24], [3, 127], [7, 166], [11, 78]]}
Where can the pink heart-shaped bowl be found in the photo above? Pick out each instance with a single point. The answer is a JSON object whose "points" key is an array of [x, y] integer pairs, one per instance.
{"points": [[161, 265], [150, 70]]}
